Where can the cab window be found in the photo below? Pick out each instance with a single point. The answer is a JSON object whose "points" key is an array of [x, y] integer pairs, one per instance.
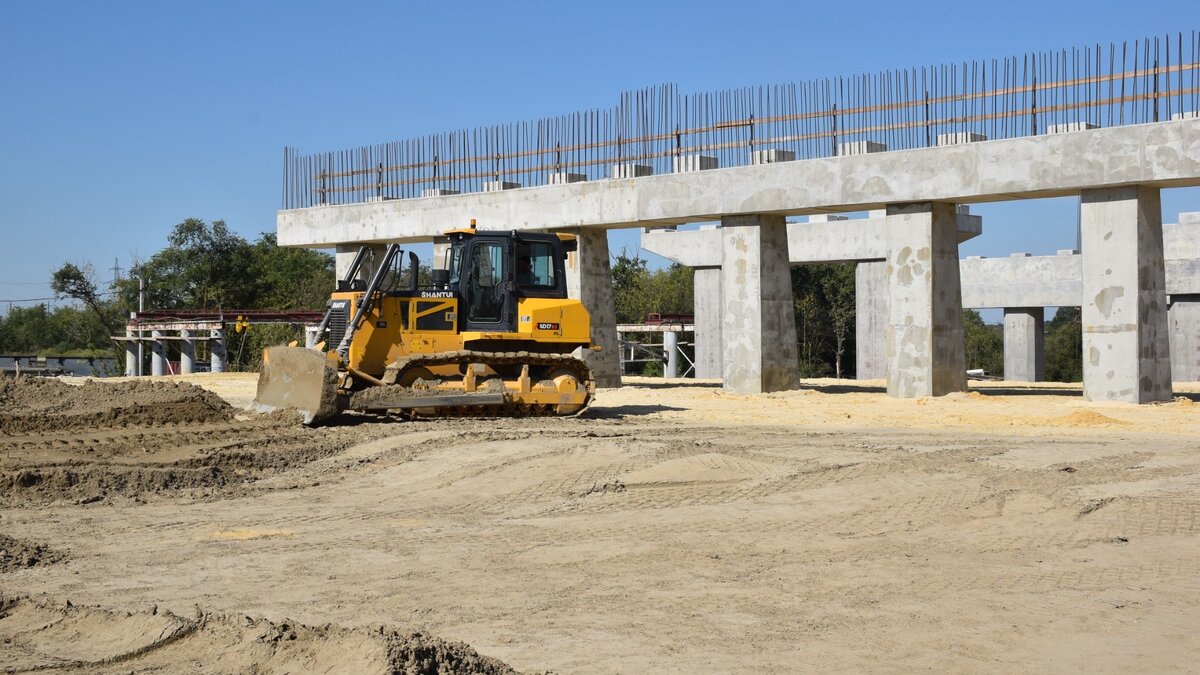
{"points": [[535, 265]]}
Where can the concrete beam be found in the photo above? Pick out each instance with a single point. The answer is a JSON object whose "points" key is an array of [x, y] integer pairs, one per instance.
{"points": [[823, 239], [1126, 353], [1164, 154], [759, 327], [925, 329]]}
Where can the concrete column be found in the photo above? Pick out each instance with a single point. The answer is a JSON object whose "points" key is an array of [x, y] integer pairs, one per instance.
{"points": [[345, 255], [1184, 316], [870, 320], [440, 249], [1024, 352], [671, 352], [925, 330], [158, 354], [708, 316], [216, 349], [758, 325], [310, 337], [131, 354], [187, 353], [589, 279], [1126, 351]]}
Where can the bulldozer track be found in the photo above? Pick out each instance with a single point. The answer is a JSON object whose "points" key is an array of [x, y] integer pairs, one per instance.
{"points": [[513, 407]]}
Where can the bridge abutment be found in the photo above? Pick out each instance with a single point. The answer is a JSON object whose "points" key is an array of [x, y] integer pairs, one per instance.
{"points": [[758, 328], [925, 330], [1126, 352]]}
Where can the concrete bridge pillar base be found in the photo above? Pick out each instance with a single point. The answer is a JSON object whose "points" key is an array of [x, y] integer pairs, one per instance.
{"points": [[187, 353], [132, 367], [758, 324], [1126, 351], [870, 318], [1024, 344], [925, 329], [158, 354], [216, 349], [1184, 315], [589, 279]]}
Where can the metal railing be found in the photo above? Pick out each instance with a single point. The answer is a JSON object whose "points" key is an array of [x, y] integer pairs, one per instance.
{"points": [[1148, 80]]}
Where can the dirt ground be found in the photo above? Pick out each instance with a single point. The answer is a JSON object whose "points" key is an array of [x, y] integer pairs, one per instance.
{"points": [[672, 528]]}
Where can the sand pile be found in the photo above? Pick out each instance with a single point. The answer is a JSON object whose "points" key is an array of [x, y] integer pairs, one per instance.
{"points": [[1088, 418], [40, 634], [31, 404], [18, 554]]}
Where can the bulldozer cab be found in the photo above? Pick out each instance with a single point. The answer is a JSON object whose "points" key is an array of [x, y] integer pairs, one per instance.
{"points": [[491, 271]]}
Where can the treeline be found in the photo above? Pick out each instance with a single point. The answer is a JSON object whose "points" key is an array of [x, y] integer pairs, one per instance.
{"points": [[203, 266], [823, 298]]}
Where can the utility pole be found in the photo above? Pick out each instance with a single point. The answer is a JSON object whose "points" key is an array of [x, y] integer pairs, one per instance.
{"points": [[141, 346], [116, 270]]}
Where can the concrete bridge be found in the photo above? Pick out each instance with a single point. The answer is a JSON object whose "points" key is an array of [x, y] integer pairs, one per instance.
{"points": [[1118, 172], [909, 147], [1022, 285]]}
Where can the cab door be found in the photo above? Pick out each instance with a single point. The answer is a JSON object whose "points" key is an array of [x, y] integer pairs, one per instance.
{"points": [[487, 286]]}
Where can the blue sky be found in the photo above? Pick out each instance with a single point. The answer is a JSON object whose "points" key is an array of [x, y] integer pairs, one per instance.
{"points": [[119, 120]]}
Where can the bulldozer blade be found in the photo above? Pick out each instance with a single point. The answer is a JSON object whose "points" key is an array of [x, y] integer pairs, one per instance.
{"points": [[299, 378]]}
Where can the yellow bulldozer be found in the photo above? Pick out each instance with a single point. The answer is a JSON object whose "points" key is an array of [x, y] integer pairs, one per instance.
{"points": [[491, 334]]}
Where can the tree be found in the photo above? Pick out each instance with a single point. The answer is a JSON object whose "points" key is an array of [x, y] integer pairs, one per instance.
{"points": [[72, 281], [838, 285], [1064, 346], [983, 343]]}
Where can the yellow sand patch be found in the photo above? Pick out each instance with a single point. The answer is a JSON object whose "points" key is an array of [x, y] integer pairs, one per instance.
{"points": [[407, 522], [1087, 418], [242, 535]]}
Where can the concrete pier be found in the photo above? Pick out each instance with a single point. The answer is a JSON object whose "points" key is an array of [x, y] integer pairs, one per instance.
{"points": [[216, 350], [187, 353], [1024, 344], [132, 367], [925, 330], [759, 327], [871, 320], [1184, 317], [589, 279], [344, 256], [1126, 353], [158, 354], [707, 319], [671, 354]]}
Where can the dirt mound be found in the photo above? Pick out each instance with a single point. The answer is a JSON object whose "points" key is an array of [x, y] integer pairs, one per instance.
{"points": [[31, 404], [18, 554], [133, 439], [40, 634], [1087, 418]]}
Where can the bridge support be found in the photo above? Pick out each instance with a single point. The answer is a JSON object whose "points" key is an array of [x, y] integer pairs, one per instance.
{"points": [[158, 353], [707, 311], [132, 367], [589, 279], [1024, 344], [345, 256], [870, 318], [1126, 351], [758, 325], [1184, 315], [216, 350], [187, 353], [925, 330]]}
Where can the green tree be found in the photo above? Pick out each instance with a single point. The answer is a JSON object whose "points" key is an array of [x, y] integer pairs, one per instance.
{"points": [[1064, 346], [983, 343]]}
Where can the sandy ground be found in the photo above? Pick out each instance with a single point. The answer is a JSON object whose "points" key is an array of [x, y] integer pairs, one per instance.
{"points": [[672, 528]]}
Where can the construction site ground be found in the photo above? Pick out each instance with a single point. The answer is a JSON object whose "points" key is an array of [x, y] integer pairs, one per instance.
{"points": [[671, 528]]}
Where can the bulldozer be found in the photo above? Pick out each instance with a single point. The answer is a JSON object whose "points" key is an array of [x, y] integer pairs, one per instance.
{"points": [[491, 333]]}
